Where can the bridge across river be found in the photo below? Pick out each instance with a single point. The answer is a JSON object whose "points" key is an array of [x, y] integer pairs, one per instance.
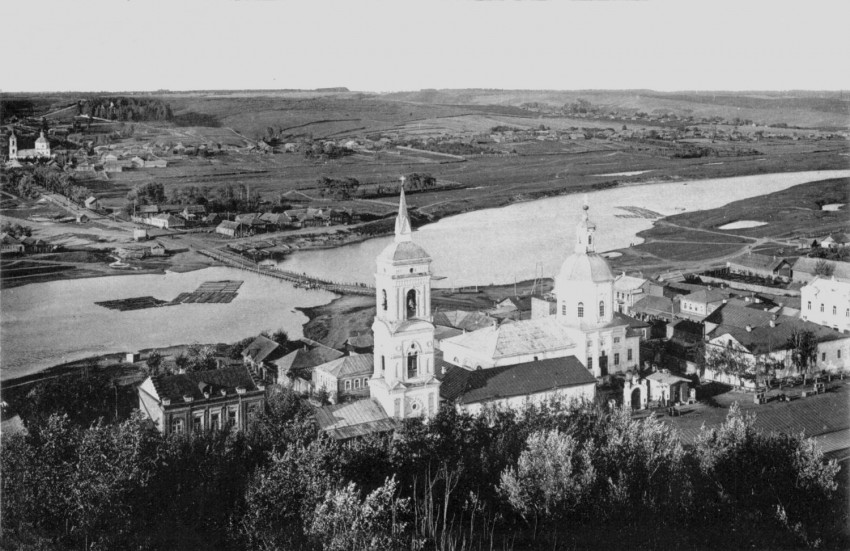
{"points": [[300, 280]]}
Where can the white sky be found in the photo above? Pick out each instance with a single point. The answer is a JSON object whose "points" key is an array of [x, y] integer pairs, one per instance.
{"points": [[111, 45]]}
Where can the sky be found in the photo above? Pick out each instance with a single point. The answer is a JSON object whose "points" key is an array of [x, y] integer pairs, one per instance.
{"points": [[376, 45]]}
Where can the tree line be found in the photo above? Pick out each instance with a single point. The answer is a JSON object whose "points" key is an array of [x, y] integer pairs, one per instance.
{"points": [[28, 182], [547, 477]]}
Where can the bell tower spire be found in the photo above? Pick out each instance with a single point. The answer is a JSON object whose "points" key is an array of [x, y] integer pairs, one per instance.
{"points": [[584, 232], [402, 221]]}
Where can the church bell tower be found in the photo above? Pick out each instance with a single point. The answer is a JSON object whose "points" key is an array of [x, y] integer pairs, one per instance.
{"points": [[403, 379]]}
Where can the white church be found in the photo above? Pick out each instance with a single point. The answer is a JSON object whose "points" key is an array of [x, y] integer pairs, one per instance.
{"points": [[551, 356], [42, 148]]}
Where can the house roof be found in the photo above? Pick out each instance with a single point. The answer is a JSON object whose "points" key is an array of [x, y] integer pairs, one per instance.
{"points": [[707, 296], [7, 239], [306, 358], [840, 270], [822, 284], [174, 387], [352, 419], [195, 209], [628, 283], [654, 305], [349, 366], [229, 225], [462, 319], [765, 339], [262, 349], [467, 387], [736, 315], [758, 261], [666, 378], [635, 326], [513, 339]]}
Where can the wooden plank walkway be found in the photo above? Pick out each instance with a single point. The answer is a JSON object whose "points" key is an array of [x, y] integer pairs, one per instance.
{"points": [[300, 280]]}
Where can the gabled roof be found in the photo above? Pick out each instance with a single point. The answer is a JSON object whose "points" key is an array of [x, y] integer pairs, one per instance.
{"points": [[352, 419], [735, 315], [349, 366], [707, 296], [512, 339], [174, 387], [7, 239], [230, 225], [628, 283], [306, 358], [262, 349], [462, 319], [654, 305], [758, 261], [666, 378], [466, 387], [822, 284], [840, 270], [767, 339]]}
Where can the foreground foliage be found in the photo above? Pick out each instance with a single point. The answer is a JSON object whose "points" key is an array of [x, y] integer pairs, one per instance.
{"points": [[548, 478]]}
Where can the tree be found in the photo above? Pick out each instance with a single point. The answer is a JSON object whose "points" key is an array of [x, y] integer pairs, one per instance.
{"points": [[345, 522], [803, 346], [154, 362], [824, 268], [552, 478]]}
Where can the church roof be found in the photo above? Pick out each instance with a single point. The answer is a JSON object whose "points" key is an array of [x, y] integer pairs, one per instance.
{"points": [[586, 267], [41, 139], [403, 251], [514, 339], [466, 387]]}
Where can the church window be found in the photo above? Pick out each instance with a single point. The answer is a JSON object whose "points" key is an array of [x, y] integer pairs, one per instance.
{"points": [[384, 301], [834, 310], [431, 402], [601, 308], [581, 309], [383, 363], [616, 358], [847, 313], [821, 306], [411, 303], [810, 305], [839, 353], [590, 240], [589, 362], [616, 340], [823, 357], [412, 365], [629, 354], [563, 309]]}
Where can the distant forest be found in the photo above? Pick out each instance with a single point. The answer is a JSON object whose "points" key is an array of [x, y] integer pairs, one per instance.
{"points": [[125, 109]]}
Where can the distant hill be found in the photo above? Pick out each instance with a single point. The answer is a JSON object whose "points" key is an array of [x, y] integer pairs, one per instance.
{"points": [[794, 108]]}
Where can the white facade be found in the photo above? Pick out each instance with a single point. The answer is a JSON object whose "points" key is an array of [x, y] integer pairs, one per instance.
{"points": [[566, 396], [833, 355], [403, 379], [826, 302]]}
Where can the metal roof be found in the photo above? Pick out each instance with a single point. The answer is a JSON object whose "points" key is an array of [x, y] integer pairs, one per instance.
{"points": [[513, 339], [467, 387], [352, 419]]}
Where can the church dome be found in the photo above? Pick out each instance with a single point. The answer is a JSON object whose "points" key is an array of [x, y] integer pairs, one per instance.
{"points": [[403, 251], [585, 267], [41, 139]]}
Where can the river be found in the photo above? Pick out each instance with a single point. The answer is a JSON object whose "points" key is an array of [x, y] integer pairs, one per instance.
{"points": [[532, 239], [48, 323]]}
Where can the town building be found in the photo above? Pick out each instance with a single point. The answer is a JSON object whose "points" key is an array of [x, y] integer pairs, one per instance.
{"points": [[166, 221], [760, 265], [295, 370], [835, 241], [806, 269], [700, 304], [628, 290], [204, 400], [564, 380], [826, 301], [344, 378], [10, 245], [231, 228]]}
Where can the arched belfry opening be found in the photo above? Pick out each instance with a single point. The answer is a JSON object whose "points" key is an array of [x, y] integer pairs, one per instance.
{"points": [[412, 362], [410, 303]]}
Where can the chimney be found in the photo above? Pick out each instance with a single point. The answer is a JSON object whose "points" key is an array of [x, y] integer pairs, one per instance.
{"points": [[773, 322], [749, 329]]}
